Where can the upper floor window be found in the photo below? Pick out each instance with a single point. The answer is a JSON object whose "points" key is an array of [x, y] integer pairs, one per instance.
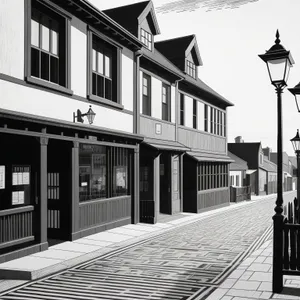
{"points": [[166, 102], [205, 117], [48, 47], [146, 105], [195, 113], [146, 38], [191, 68], [181, 121], [104, 75]]}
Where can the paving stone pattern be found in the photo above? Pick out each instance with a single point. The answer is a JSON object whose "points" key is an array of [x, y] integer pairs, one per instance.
{"points": [[174, 265]]}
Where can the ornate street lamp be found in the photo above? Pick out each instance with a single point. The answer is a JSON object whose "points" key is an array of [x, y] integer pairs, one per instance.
{"points": [[278, 61], [296, 92], [296, 145], [89, 114]]}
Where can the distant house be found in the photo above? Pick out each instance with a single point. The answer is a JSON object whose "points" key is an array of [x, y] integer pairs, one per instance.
{"points": [[253, 154], [293, 171], [286, 168], [237, 171]]}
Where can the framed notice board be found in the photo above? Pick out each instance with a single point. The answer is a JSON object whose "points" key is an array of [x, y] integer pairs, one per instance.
{"points": [[20, 184]]}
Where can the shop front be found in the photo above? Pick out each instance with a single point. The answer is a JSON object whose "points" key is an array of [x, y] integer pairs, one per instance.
{"points": [[59, 183], [160, 179]]}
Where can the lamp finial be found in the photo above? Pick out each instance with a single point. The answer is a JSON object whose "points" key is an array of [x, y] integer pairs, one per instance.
{"points": [[277, 41]]}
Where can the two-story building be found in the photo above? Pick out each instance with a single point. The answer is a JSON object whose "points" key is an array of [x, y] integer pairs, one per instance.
{"points": [[100, 125], [178, 113], [61, 179]]}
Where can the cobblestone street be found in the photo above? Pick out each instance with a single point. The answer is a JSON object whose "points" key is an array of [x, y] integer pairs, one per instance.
{"points": [[185, 263]]}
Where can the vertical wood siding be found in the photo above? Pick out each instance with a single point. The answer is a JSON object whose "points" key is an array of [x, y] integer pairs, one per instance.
{"points": [[202, 141], [212, 198], [148, 129], [98, 212]]}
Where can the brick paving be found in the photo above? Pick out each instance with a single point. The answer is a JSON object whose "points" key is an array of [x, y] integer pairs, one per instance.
{"points": [[187, 262]]}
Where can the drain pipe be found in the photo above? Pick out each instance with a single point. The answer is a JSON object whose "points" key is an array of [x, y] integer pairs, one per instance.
{"points": [[177, 107], [137, 100]]}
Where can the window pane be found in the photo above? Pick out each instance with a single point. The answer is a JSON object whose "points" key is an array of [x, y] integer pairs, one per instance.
{"points": [[145, 90], [35, 33], [54, 45], [107, 66], [45, 38], [100, 63], [44, 66], [108, 89], [94, 60], [92, 172], [100, 86], [54, 69], [35, 62], [94, 84]]}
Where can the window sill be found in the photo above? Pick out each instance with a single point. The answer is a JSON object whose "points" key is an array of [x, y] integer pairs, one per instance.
{"points": [[49, 85], [106, 102]]}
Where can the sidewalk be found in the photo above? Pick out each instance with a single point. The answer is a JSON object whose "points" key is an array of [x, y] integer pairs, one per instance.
{"points": [[69, 254]]}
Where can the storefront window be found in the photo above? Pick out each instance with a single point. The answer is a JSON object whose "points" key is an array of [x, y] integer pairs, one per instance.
{"points": [[120, 172], [103, 172], [92, 172]]}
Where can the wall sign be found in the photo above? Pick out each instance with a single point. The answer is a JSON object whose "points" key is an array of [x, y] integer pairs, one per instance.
{"points": [[2, 177], [18, 197], [158, 128]]}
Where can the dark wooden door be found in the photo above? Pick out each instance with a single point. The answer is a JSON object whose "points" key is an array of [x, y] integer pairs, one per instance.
{"points": [[59, 187], [165, 183]]}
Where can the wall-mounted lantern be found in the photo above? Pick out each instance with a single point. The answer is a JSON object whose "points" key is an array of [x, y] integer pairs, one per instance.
{"points": [[90, 116]]}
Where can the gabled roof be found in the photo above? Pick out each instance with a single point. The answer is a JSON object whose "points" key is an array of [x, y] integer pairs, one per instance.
{"points": [[178, 47], [269, 166], [239, 164], [130, 16]]}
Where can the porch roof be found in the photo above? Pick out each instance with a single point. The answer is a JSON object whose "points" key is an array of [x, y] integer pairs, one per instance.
{"points": [[165, 145], [209, 157]]}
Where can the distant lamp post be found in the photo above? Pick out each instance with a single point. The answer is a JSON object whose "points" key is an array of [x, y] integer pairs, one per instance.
{"points": [[90, 116], [296, 145], [296, 92], [279, 62]]}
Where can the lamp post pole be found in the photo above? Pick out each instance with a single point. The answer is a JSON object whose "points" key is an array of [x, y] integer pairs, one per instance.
{"points": [[298, 184], [278, 61]]}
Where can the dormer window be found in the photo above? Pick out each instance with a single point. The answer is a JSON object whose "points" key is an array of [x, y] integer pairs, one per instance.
{"points": [[146, 39], [191, 69]]}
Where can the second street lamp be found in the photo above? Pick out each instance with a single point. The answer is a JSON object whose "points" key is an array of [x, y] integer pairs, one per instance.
{"points": [[296, 145], [278, 61], [296, 92]]}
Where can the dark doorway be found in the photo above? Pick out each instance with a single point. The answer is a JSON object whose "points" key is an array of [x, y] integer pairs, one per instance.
{"points": [[59, 191], [165, 183]]}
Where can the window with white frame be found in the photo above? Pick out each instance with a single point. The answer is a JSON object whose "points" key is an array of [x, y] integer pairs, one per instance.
{"points": [[195, 113], [191, 69], [166, 102], [146, 38], [146, 102], [181, 109], [48, 37]]}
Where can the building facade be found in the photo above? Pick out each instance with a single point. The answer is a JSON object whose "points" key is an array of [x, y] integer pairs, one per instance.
{"points": [[156, 137]]}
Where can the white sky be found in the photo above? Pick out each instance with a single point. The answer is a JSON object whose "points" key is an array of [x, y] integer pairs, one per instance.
{"points": [[229, 42]]}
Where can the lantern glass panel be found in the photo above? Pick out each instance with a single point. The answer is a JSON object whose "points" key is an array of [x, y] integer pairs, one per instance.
{"points": [[277, 69]]}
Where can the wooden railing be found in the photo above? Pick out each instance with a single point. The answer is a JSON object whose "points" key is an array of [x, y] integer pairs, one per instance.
{"points": [[98, 212], [213, 197], [16, 226], [238, 194]]}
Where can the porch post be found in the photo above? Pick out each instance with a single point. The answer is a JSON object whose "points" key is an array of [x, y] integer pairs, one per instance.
{"points": [[136, 185], [75, 190], [43, 194], [156, 186], [181, 180]]}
